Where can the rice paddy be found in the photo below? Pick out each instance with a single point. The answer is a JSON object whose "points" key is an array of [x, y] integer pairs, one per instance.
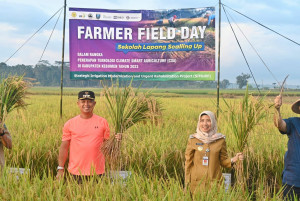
{"points": [[153, 154]]}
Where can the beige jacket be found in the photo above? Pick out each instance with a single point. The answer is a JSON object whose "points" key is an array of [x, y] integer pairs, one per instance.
{"points": [[197, 174]]}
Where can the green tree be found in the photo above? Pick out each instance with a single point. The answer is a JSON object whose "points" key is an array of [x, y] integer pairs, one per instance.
{"points": [[242, 80], [224, 84]]}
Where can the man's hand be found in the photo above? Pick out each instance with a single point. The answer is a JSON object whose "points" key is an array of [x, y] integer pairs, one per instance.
{"points": [[278, 122], [118, 136], [278, 102], [62, 157], [60, 174]]}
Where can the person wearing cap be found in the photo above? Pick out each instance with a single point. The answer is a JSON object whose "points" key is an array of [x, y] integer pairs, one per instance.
{"points": [[291, 127], [5, 141], [83, 136]]}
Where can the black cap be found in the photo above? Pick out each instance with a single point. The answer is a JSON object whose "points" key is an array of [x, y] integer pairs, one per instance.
{"points": [[86, 95]]}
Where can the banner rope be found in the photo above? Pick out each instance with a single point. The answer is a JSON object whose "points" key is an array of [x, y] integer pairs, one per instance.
{"points": [[241, 49], [50, 35], [255, 50], [262, 25], [32, 35]]}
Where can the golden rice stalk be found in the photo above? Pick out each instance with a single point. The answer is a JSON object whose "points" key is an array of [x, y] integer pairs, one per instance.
{"points": [[126, 107], [243, 117], [155, 111], [12, 96]]}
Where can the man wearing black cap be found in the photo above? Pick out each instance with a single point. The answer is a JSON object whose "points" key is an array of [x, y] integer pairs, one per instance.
{"points": [[83, 136], [291, 127]]}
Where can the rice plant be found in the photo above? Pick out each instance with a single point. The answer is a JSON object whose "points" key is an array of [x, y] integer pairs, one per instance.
{"points": [[12, 96], [243, 117], [126, 107]]}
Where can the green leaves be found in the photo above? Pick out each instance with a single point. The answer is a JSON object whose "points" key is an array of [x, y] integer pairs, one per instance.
{"points": [[12, 95]]}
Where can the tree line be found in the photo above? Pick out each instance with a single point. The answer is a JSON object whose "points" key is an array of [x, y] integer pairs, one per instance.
{"points": [[46, 74]]}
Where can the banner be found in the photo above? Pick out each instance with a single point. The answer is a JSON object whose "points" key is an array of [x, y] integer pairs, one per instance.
{"points": [[155, 45]]}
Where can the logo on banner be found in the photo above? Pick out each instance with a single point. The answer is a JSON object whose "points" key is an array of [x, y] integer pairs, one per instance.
{"points": [[82, 15], [74, 14], [98, 16], [106, 17], [118, 17], [90, 15]]}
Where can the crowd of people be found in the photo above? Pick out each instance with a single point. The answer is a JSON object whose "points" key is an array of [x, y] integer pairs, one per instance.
{"points": [[206, 151]]}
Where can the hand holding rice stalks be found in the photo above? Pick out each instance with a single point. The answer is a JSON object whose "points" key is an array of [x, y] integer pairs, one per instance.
{"points": [[243, 117]]}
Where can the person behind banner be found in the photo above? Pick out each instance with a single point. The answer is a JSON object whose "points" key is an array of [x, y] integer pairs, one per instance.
{"points": [[83, 136], [205, 153], [210, 18], [5, 141], [291, 127], [172, 20]]}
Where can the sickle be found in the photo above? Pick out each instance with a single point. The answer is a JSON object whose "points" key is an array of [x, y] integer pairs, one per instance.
{"points": [[282, 86]]}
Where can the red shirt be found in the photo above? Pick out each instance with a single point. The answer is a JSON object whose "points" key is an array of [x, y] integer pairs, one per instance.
{"points": [[86, 138]]}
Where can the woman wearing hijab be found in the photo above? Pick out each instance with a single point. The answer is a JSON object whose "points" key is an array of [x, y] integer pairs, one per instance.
{"points": [[206, 152]]}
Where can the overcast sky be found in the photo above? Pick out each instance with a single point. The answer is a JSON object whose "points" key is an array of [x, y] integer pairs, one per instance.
{"points": [[19, 19]]}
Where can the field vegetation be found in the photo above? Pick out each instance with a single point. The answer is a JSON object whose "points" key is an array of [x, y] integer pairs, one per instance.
{"points": [[153, 154]]}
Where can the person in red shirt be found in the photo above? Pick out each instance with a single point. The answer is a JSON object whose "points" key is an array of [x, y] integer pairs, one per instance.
{"points": [[83, 136]]}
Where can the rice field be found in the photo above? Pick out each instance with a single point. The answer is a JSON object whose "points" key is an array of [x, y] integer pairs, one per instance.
{"points": [[153, 154]]}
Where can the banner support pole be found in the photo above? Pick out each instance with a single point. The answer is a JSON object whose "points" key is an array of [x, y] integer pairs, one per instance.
{"points": [[219, 51], [62, 60]]}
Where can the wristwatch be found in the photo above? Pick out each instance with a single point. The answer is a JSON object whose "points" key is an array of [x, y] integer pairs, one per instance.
{"points": [[60, 168]]}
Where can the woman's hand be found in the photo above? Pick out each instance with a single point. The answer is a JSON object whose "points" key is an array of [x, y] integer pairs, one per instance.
{"points": [[238, 156]]}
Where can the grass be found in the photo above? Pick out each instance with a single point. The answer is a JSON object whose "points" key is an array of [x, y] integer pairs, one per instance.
{"points": [[155, 155]]}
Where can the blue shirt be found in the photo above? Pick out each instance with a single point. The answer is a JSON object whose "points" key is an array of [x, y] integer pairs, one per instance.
{"points": [[210, 18], [291, 172]]}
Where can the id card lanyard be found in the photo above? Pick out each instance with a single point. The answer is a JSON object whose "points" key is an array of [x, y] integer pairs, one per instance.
{"points": [[205, 157]]}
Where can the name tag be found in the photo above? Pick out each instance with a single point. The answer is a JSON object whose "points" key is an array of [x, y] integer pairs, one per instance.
{"points": [[205, 161], [199, 144]]}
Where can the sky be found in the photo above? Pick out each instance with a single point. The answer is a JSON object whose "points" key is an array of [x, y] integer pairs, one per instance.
{"points": [[19, 19]]}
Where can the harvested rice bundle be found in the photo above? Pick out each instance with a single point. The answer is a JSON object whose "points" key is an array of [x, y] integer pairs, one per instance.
{"points": [[126, 107], [243, 117]]}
